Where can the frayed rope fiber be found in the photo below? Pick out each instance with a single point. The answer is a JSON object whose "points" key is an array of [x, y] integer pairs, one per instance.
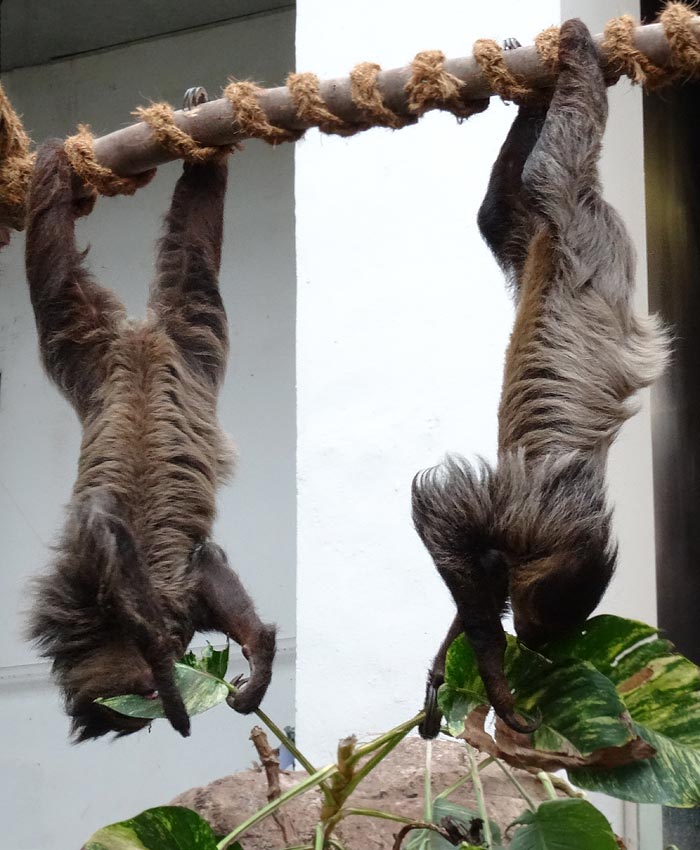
{"points": [[160, 117], [429, 86], [80, 150]]}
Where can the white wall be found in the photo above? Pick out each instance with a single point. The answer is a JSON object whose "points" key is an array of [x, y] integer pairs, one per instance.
{"points": [[54, 795]]}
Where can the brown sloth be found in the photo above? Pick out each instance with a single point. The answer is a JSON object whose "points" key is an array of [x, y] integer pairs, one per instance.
{"points": [[536, 528], [135, 573]]}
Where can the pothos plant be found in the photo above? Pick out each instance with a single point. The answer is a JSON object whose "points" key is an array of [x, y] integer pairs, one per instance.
{"points": [[620, 714]]}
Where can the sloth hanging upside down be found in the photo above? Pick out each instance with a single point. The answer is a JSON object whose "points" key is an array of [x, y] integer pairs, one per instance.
{"points": [[135, 572], [537, 529]]}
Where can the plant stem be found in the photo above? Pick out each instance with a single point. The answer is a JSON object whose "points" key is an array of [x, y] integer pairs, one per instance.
{"points": [[261, 814], [319, 839], [455, 785], [562, 785], [288, 743], [390, 740], [514, 779], [286, 740], [479, 794], [375, 813], [278, 733], [330, 824], [387, 742], [427, 787], [462, 780], [371, 763], [547, 783], [402, 729]]}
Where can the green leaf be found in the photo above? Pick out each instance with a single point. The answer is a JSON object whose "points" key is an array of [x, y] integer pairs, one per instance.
{"points": [[661, 691], [200, 691], [212, 661], [162, 828], [189, 659], [604, 641], [581, 710], [463, 690], [426, 839], [563, 825]]}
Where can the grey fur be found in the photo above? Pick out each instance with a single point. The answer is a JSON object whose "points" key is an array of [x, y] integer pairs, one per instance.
{"points": [[577, 357]]}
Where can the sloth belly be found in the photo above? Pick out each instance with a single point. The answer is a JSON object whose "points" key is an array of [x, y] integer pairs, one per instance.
{"points": [[565, 385], [154, 446]]}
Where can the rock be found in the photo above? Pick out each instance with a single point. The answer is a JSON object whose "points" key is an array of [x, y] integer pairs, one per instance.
{"points": [[395, 786]]}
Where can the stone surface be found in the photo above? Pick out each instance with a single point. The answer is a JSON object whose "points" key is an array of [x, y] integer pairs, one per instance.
{"points": [[396, 786]]}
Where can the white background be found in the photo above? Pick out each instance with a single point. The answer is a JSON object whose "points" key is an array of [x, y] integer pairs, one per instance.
{"points": [[402, 320]]}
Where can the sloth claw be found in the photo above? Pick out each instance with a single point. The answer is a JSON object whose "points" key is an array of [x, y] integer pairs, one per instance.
{"points": [[429, 727], [195, 96]]}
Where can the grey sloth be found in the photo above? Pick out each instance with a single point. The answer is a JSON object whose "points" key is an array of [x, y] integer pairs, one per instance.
{"points": [[135, 573], [536, 529]]}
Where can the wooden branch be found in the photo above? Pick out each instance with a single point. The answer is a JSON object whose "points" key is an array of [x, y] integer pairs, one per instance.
{"points": [[133, 149], [270, 761]]}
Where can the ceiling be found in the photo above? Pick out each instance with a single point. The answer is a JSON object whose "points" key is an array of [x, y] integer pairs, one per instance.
{"points": [[33, 32]]}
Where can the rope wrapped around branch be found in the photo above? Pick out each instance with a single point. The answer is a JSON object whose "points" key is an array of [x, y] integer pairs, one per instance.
{"points": [[16, 164], [432, 87], [80, 149], [250, 117], [370, 97], [160, 117]]}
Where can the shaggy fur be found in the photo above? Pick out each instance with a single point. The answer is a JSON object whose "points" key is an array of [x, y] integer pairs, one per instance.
{"points": [[537, 528], [134, 574]]}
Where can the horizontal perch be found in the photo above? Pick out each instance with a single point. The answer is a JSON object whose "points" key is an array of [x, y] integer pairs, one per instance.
{"points": [[121, 161], [134, 149]]}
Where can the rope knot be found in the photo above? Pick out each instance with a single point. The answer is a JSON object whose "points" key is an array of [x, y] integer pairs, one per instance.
{"points": [[432, 87], [160, 117], [305, 91], [80, 150], [244, 97]]}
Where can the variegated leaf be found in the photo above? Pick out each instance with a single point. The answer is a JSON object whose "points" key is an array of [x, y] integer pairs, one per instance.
{"points": [[200, 691], [162, 828]]}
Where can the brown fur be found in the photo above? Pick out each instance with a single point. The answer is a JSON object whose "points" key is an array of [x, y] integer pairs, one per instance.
{"points": [[135, 574], [537, 528]]}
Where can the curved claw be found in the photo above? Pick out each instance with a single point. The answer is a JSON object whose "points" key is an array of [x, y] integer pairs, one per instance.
{"points": [[170, 696], [511, 44], [260, 656], [490, 665], [239, 682], [519, 723], [429, 727], [195, 96]]}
